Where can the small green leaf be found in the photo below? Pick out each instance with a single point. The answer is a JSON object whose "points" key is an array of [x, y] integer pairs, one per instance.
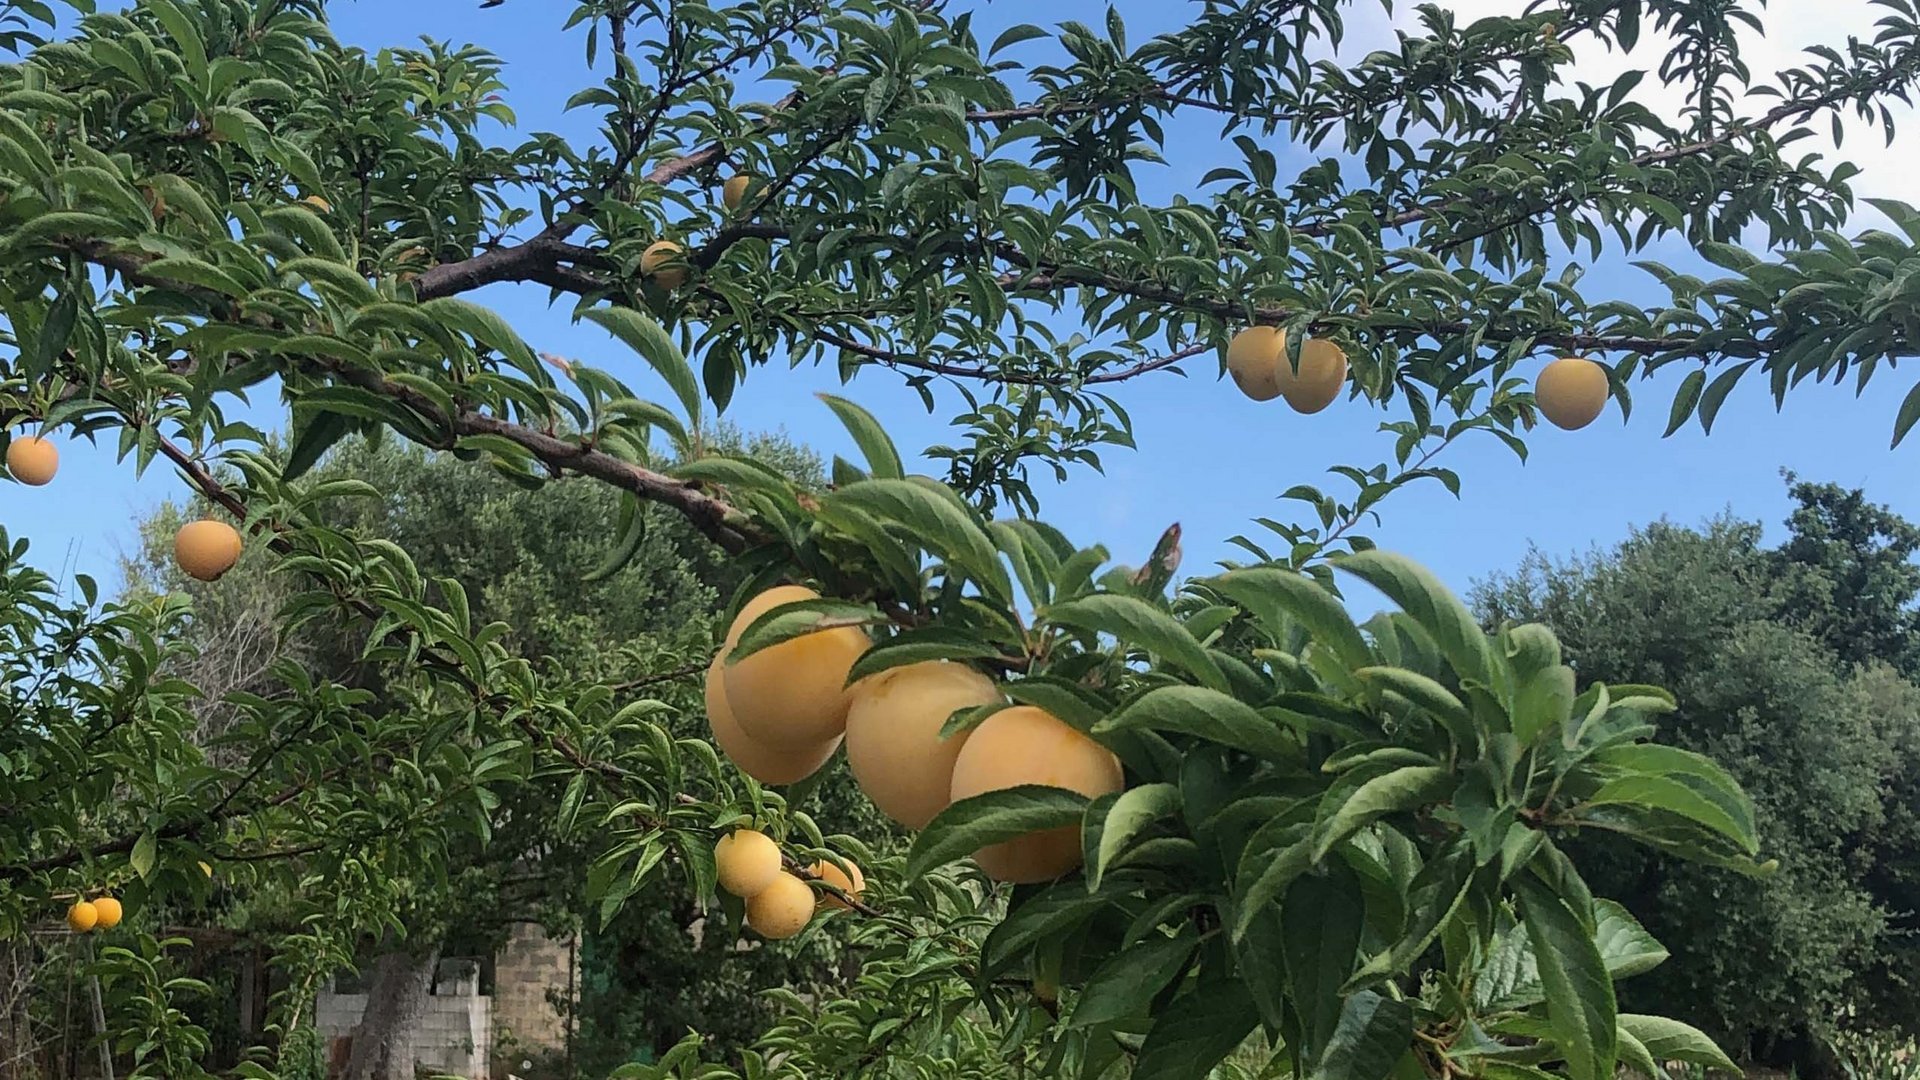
{"points": [[1402, 789], [1684, 400], [1373, 1034], [145, 851], [1671, 1040], [1434, 607], [1206, 714], [1135, 621], [643, 335], [883, 459], [971, 824], [920, 645], [1579, 991], [1127, 817], [1274, 596], [935, 517], [785, 622], [1197, 1032], [633, 533], [1127, 982]]}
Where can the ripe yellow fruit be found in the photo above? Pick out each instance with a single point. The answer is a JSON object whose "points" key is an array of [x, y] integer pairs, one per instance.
{"points": [[207, 549], [893, 735], [664, 262], [746, 861], [1252, 357], [32, 460], [1257, 360], [782, 909], [734, 191], [1571, 392], [82, 916], [107, 909], [793, 694], [1026, 745], [829, 873], [771, 765]]}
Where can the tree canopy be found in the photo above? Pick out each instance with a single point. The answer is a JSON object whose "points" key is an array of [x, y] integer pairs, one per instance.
{"points": [[1343, 844]]}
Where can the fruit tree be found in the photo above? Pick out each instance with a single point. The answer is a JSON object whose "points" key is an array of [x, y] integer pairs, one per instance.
{"points": [[1200, 817]]}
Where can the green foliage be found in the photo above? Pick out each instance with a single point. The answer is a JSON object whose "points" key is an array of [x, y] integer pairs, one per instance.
{"points": [[1824, 740], [207, 200]]}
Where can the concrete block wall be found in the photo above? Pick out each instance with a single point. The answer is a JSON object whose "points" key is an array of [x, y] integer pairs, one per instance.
{"points": [[529, 974], [455, 1034]]}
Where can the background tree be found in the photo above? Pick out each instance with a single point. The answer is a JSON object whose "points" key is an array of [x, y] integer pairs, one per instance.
{"points": [[1784, 661]]}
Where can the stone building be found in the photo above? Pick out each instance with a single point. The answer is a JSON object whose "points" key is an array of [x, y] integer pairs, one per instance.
{"points": [[485, 1018]]}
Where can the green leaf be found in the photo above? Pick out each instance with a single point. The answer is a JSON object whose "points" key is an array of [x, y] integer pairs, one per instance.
{"points": [[1909, 412], [1542, 703], [314, 433], [145, 851], [883, 460], [1434, 894], [193, 51], [1402, 789], [1510, 979], [1274, 596], [785, 622], [971, 824], [1128, 816], [920, 645], [1196, 1032], [633, 533], [485, 326], [648, 338], [1434, 607], [1127, 982], [1430, 695], [936, 518], [1579, 991], [1373, 1034], [1135, 621], [1206, 714], [1043, 918], [1684, 400], [1671, 1040], [1679, 794], [1324, 914]]}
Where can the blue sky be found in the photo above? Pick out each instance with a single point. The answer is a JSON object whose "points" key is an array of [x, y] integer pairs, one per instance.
{"points": [[1208, 458]]}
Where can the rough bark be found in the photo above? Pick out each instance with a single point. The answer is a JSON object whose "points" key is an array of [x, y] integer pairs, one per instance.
{"points": [[383, 1041]]}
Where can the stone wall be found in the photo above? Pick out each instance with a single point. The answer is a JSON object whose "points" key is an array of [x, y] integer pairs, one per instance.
{"points": [[530, 974], [456, 1027]]}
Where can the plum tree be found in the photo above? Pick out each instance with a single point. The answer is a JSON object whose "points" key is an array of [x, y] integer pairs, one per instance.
{"points": [[1344, 841]]}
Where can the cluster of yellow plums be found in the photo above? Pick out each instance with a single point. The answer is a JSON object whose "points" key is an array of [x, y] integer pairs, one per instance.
{"points": [[1571, 391], [781, 713], [100, 913], [204, 549], [780, 903]]}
